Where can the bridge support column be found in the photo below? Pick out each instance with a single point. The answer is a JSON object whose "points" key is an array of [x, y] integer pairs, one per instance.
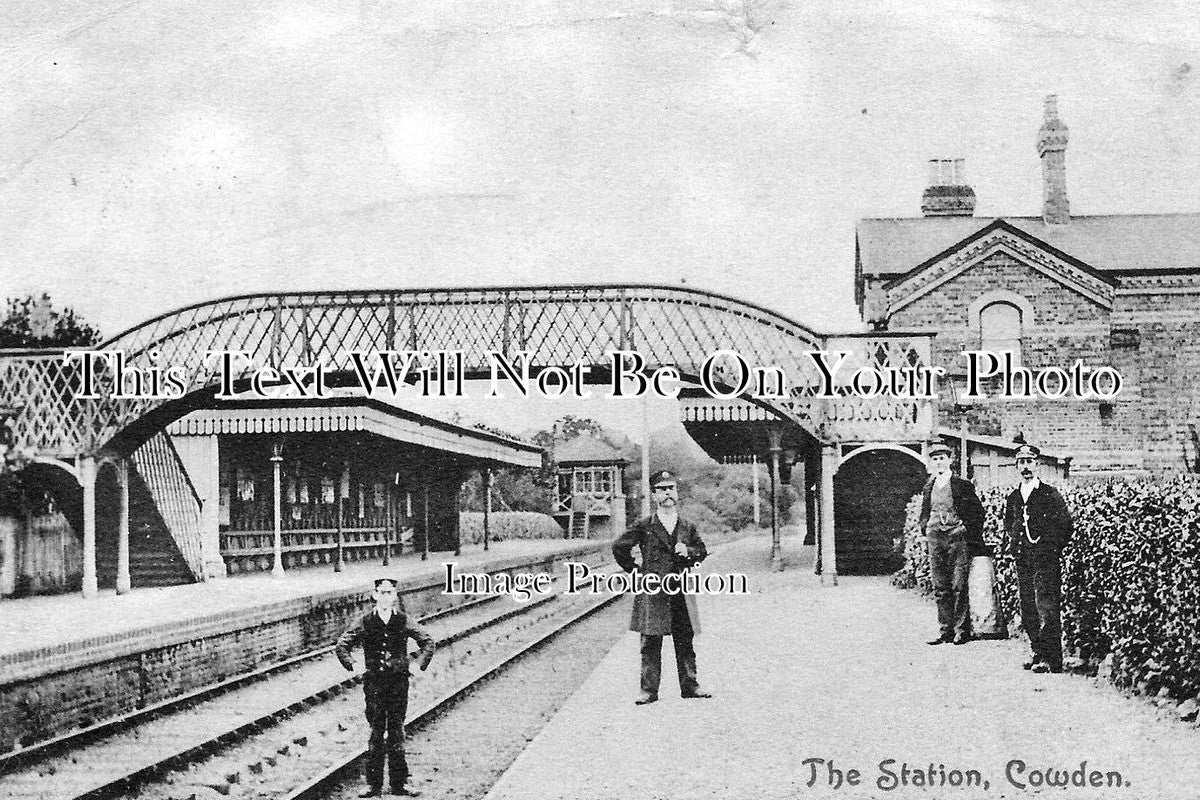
{"points": [[775, 438], [87, 479], [124, 584], [754, 484], [829, 463], [277, 464]]}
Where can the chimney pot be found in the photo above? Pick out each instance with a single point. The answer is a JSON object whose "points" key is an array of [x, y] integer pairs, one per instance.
{"points": [[947, 195]]}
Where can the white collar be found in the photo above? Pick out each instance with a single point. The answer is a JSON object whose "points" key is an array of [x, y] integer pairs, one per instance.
{"points": [[941, 480], [1027, 488], [667, 518]]}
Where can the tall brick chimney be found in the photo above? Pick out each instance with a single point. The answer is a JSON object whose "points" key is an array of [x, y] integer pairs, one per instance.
{"points": [[1052, 148], [948, 194]]}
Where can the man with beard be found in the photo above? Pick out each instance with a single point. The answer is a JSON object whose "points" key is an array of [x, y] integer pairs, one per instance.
{"points": [[952, 519], [669, 545], [1039, 526]]}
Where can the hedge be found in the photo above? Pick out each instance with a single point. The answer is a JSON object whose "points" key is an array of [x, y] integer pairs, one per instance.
{"points": [[1131, 580], [505, 525]]}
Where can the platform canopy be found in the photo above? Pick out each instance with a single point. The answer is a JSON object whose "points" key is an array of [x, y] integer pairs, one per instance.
{"points": [[359, 415]]}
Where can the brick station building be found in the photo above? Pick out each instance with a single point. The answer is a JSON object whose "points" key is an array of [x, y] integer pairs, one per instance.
{"points": [[1118, 290]]}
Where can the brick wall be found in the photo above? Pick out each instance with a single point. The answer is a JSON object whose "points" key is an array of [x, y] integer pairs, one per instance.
{"points": [[52, 691], [1066, 326], [1166, 354]]}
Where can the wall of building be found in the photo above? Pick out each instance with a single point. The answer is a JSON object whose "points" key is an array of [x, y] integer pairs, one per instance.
{"points": [[1165, 357], [1066, 327]]}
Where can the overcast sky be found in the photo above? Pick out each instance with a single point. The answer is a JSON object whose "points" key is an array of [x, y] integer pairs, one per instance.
{"points": [[154, 154]]}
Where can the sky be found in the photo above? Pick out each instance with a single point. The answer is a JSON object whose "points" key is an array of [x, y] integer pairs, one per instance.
{"points": [[153, 155]]}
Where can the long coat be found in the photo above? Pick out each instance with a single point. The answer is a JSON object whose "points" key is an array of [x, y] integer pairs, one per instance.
{"points": [[652, 612]]}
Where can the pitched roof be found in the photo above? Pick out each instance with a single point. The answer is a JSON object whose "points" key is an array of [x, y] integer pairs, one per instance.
{"points": [[1117, 243], [586, 450]]}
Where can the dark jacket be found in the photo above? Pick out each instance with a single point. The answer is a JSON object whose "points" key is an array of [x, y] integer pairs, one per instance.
{"points": [[1049, 522], [652, 613], [385, 647], [968, 508]]}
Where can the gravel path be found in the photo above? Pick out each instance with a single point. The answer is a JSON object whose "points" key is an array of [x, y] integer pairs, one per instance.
{"points": [[803, 671]]}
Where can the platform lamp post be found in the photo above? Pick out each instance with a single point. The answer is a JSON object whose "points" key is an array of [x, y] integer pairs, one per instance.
{"points": [[487, 506], [277, 468], [343, 494], [388, 518], [395, 500], [425, 536]]}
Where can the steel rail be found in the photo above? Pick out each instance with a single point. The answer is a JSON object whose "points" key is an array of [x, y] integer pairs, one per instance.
{"points": [[122, 786], [49, 748]]}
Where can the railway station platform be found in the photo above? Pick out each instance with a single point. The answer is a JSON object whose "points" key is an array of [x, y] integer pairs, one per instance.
{"points": [[46, 621], [802, 671], [67, 662]]}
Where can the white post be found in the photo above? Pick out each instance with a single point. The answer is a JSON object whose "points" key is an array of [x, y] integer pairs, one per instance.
{"points": [[124, 584], [87, 479], [487, 506], [277, 464], [829, 459]]}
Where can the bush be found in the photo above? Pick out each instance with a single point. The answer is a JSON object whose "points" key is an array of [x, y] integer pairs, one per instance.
{"points": [[506, 525], [1131, 578]]}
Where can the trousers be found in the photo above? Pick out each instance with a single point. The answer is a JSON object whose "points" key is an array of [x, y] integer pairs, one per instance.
{"points": [[685, 654], [949, 568], [1039, 583], [387, 705]]}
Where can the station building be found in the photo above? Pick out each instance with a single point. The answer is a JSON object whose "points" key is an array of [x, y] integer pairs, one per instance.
{"points": [[257, 487], [1119, 291]]}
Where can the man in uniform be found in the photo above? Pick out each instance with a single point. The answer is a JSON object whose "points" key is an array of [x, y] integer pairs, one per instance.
{"points": [[1039, 526], [952, 519], [669, 545], [383, 633]]}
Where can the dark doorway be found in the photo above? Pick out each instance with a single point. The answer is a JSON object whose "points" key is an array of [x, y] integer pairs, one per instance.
{"points": [[870, 492]]}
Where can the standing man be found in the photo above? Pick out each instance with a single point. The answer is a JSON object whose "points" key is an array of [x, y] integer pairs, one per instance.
{"points": [[952, 519], [1039, 526], [669, 546], [384, 633]]}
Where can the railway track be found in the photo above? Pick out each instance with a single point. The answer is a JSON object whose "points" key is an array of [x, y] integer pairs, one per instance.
{"points": [[476, 734], [264, 727]]}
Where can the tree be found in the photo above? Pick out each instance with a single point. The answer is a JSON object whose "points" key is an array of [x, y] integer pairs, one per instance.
{"points": [[32, 322]]}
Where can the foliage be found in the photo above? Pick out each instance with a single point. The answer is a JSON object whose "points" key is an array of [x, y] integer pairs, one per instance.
{"points": [[716, 497], [1131, 579], [32, 322], [507, 525]]}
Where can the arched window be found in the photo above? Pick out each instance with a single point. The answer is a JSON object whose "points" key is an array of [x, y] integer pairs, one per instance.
{"points": [[1000, 328]]}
